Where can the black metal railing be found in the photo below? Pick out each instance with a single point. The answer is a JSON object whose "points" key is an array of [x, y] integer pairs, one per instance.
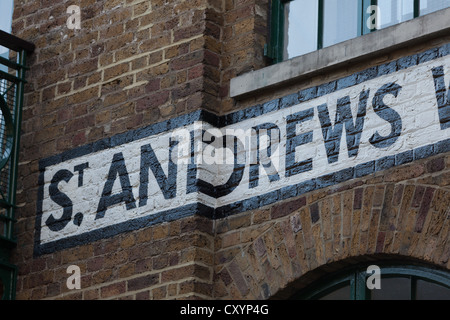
{"points": [[12, 82]]}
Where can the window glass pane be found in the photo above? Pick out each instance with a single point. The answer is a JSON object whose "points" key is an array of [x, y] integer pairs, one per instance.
{"points": [[339, 294], [301, 26], [393, 289], [428, 6], [426, 290], [6, 10], [340, 21], [395, 11]]}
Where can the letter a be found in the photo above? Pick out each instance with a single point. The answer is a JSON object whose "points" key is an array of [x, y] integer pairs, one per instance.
{"points": [[117, 169], [373, 20], [74, 21], [374, 281], [74, 281]]}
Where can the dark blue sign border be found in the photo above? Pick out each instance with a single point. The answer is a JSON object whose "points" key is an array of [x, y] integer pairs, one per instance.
{"points": [[233, 118]]}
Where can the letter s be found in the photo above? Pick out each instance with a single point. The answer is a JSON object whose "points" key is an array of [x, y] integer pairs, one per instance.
{"points": [[62, 199], [387, 114]]}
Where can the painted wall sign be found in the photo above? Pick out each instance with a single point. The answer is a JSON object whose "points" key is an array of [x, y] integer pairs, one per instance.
{"points": [[216, 166]]}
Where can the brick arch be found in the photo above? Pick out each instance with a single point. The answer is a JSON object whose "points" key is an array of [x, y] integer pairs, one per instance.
{"points": [[373, 217], [311, 278]]}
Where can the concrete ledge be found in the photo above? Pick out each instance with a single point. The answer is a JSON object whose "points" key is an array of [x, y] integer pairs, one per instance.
{"points": [[430, 26]]}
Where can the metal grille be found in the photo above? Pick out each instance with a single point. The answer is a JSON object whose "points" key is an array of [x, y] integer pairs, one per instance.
{"points": [[12, 81], [7, 103]]}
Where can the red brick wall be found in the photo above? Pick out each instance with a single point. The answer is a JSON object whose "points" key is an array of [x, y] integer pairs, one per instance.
{"points": [[401, 213], [138, 62], [132, 63]]}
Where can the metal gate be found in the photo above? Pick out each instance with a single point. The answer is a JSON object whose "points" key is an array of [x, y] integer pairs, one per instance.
{"points": [[12, 81]]}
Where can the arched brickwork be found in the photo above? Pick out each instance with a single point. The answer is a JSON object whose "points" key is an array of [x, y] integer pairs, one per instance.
{"points": [[403, 212]]}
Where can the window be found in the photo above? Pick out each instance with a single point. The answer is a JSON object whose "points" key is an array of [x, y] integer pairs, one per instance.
{"points": [[6, 11], [397, 282], [302, 26]]}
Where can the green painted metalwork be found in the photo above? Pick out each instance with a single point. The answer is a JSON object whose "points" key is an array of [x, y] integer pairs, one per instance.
{"points": [[274, 48], [416, 8], [362, 22], [357, 276], [321, 25], [12, 85], [8, 275]]}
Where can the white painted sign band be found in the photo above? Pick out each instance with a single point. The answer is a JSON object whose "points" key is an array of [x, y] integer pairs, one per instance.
{"points": [[203, 164]]}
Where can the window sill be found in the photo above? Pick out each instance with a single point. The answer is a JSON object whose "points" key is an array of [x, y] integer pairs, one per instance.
{"points": [[408, 33]]}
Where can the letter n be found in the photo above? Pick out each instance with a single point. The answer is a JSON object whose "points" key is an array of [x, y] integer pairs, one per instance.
{"points": [[167, 184]]}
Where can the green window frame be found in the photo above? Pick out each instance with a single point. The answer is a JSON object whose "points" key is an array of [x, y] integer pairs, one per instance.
{"points": [[274, 49], [356, 279]]}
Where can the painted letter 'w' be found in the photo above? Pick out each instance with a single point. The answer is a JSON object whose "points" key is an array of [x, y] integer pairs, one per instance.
{"points": [[442, 96]]}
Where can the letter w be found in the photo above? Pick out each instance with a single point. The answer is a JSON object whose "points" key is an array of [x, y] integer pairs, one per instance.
{"points": [[442, 96], [167, 184], [332, 135]]}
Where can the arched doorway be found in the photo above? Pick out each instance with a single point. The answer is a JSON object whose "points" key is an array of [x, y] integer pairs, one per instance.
{"points": [[380, 280], [317, 237]]}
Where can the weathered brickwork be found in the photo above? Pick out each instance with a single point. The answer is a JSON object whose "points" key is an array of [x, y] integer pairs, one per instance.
{"points": [[132, 63], [138, 63], [164, 262], [245, 32], [399, 213]]}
